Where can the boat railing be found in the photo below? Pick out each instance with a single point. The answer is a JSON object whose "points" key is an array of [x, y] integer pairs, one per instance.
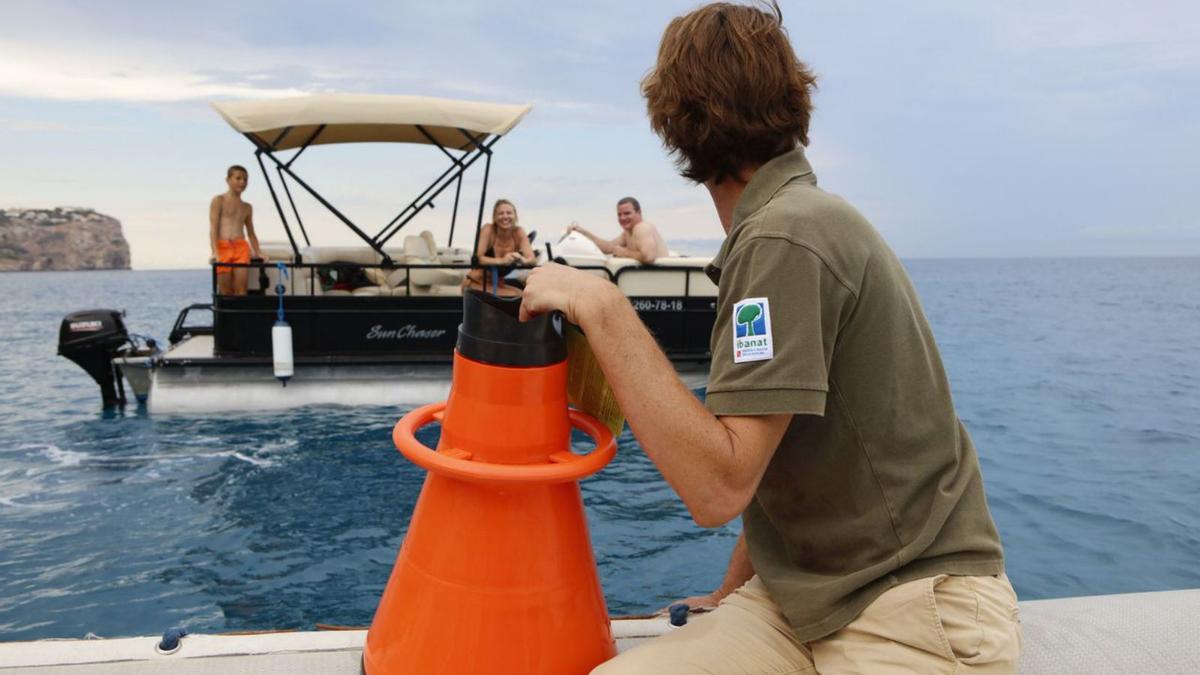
{"points": [[184, 328], [334, 278], [425, 278]]}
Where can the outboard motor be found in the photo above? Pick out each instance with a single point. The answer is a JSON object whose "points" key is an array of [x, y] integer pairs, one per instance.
{"points": [[91, 339]]}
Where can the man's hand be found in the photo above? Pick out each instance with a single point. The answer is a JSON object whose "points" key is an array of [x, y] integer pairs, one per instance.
{"points": [[697, 603], [573, 227], [558, 287]]}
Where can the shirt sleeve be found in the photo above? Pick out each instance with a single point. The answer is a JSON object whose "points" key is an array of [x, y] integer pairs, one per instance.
{"points": [[779, 308]]}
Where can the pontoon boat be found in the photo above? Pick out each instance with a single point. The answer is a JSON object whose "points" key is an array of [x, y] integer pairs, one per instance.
{"points": [[371, 324]]}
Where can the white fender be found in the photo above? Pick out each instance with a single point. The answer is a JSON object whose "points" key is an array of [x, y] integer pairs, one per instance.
{"points": [[281, 350]]}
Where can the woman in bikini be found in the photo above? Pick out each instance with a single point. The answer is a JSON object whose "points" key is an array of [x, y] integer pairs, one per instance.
{"points": [[502, 244]]}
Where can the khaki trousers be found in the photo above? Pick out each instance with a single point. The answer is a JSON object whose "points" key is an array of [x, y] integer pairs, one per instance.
{"points": [[942, 624]]}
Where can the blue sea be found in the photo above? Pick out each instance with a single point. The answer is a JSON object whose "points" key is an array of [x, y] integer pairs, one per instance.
{"points": [[1079, 380]]}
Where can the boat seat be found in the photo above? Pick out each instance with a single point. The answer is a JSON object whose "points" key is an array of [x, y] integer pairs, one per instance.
{"points": [[276, 251], [362, 255], [454, 254], [444, 254], [301, 282], [444, 290], [592, 261], [418, 251], [689, 279], [430, 242], [397, 277]]}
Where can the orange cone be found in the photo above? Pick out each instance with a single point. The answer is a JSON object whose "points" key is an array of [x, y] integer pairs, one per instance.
{"points": [[496, 573]]}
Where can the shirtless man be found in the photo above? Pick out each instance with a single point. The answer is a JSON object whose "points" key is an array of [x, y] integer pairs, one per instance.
{"points": [[231, 221], [639, 238]]}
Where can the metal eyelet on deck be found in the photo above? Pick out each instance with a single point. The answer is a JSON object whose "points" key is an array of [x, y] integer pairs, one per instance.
{"points": [[171, 642]]}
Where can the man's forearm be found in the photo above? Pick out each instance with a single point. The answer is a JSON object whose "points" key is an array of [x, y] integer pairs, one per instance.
{"points": [[606, 247], [688, 444], [623, 252], [740, 569]]}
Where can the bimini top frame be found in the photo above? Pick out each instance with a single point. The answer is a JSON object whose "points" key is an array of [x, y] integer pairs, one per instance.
{"points": [[463, 130]]}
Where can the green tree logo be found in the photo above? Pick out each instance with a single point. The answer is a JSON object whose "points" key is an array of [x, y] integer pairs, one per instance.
{"points": [[747, 315]]}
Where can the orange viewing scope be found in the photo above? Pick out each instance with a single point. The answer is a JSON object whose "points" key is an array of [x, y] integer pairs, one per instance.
{"points": [[496, 573]]}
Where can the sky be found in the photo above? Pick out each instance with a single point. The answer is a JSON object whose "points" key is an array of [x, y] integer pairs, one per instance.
{"points": [[960, 129]]}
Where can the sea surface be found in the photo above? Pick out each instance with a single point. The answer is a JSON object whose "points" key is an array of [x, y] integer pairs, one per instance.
{"points": [[1079, 380]]}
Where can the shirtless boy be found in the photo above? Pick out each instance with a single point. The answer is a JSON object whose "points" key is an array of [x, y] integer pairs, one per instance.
{"points": [[639, 238], [231, 221]]}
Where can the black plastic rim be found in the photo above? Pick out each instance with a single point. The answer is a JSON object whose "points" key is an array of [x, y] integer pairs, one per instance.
{"points": [[491, 332]]}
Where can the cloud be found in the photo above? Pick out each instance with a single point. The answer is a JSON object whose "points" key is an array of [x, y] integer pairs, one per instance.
{"points": [[956, 127], [11, 124], [1140, 233], [564, 60], [27, 75]]}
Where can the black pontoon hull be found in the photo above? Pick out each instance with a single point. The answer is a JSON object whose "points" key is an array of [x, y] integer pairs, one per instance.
{"points": [[412, 330]]}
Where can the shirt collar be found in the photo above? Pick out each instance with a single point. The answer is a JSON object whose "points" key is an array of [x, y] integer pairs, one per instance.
{"points": [[763, 185]]}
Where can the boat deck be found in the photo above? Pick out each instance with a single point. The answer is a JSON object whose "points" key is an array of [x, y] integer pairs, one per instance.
{"points": [[190, 379], [1129, 633], [195, 347]]}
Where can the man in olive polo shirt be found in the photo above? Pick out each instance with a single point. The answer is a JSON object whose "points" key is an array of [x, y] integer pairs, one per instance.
{"points": [[867, 545]]}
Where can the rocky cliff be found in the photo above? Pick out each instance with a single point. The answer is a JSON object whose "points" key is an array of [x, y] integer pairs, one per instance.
{"points": [[61, 239]]}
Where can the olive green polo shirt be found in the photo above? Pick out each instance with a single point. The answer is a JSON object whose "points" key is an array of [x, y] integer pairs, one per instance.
{"points": [[876, 481]]}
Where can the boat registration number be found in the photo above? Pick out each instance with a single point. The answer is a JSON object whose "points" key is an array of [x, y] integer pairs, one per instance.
{"points": [[657, 304]]}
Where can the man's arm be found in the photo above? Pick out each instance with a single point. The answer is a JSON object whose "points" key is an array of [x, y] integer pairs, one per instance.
{"points": [[621, 251], [713, 463], [214, 223], [254, 248], [643, 247], [739, 572], [525, 247], [617, 246], [606, 247]]}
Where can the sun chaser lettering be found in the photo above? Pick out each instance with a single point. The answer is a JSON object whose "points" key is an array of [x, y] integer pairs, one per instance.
{"points": [[405, 332]]}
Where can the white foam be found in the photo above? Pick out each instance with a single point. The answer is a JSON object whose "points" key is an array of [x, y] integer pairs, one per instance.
{"points": [[59, 456], [181, 397], [252, 460]]}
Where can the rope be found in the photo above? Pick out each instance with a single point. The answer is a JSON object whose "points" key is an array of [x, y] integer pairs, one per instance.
{"points": [[279, 288], [679, 614], [171, 640]]}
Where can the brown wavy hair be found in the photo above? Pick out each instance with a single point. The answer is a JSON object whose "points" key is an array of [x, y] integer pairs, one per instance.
{"points": [[728, 92]]}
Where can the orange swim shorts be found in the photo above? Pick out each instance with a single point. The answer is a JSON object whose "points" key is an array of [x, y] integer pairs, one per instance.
{"points": [[232, 251]]}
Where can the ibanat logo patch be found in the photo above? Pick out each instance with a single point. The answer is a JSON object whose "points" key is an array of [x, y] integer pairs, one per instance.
{"points": [[752, 331]]}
